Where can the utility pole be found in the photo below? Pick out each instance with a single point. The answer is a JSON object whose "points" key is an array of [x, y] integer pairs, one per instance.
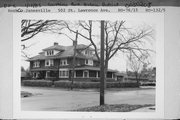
{"points": [[102, 74], [74, 60]]}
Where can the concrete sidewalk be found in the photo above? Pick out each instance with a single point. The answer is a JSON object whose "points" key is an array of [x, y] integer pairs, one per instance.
{"points": [[145, 109]]}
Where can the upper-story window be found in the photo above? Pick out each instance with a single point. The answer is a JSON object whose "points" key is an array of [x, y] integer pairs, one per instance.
{"points": [[88, 52], [88, 62], [36, 64], [63, 62], [49, 62], [49, 52]]}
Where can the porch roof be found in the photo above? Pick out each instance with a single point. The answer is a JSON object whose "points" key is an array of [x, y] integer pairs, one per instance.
{"points": [[44, 69], [92, 68]]}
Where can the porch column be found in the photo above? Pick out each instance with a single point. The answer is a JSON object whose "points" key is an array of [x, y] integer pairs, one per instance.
{"points": [[96, 74], [37, 74], [74, 74], [87, 73], [47, 75], [83, 74], [33, 74]]}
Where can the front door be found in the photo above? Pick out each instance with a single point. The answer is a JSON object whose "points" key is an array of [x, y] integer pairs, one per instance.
{"points": [[85, 74]]}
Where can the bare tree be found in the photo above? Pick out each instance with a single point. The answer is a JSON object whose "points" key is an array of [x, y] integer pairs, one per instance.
{"points": [[137, 65], [118, 38], [30, 28]]}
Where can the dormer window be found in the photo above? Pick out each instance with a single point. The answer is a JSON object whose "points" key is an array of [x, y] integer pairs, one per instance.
{"points": [[36, 64], [63, 62], [49, 63], [88, 52], [49, 52]]}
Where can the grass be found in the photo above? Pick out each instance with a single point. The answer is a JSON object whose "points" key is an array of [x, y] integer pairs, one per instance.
{"points": [[113, 108]]}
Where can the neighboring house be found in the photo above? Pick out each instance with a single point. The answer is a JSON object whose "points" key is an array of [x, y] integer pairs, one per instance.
{"points": [[56, 62], [145, 76], [120, 76], [24, 75]]}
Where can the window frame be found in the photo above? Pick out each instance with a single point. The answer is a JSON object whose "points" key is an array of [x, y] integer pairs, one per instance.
{"points": [[36, 64], [50, 62], [88, 61], [63, 62], [63, 73], [49, 52]]}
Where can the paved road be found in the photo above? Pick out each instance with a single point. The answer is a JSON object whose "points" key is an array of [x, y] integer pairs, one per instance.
{"points": [[50, 99]]}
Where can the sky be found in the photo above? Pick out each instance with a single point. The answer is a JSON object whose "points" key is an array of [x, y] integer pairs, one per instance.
{"points": [[44, 40]]}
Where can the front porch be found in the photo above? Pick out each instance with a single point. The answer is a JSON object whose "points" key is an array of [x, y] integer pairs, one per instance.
{"points": [[48, 74], [66, 74], [83, 74]]}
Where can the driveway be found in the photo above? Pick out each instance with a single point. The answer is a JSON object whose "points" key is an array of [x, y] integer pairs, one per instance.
{"points": [[53, 99]]}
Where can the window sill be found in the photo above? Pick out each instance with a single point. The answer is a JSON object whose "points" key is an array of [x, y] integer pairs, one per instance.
{"points": [[64, 65], [35, 67], [63, 76]]}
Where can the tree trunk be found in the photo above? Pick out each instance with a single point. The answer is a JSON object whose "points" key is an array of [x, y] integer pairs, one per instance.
{"points": [[105, 72], [137, 79], [102, 76], [74, 60]]}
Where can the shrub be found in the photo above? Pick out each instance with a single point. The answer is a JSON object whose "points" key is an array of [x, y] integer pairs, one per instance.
{"points": [[67, 84], [148, 84], [39, 83], [121, 85]]}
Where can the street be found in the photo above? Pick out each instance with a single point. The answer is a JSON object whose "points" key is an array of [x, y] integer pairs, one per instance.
{"points": [[56, 99]]}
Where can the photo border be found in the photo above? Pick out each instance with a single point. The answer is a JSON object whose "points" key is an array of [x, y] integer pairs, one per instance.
{"points": [[156, 17]]}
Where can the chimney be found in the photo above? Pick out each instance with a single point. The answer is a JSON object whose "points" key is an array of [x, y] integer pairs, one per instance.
{"points": [[55, 43], [74, 43]]}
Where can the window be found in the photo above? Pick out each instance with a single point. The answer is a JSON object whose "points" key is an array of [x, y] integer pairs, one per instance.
{"points": [[49, 52], [79, 73], [88, 62], [49, 63], [35, 74], [36, 64], [63, 73], [63, 62], [88, 52]]}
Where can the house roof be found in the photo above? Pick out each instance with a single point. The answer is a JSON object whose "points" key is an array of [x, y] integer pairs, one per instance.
{"points": [[120, 74], [82, 46], [65, 51], [55, 47]]}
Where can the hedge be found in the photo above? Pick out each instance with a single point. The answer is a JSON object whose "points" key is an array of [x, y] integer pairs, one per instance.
{"points": [[80, 85], [148, 84], [40, 83], [67, 84]]}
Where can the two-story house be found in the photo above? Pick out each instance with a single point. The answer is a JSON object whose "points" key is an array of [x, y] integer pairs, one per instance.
{"points": [[56, 62]]}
